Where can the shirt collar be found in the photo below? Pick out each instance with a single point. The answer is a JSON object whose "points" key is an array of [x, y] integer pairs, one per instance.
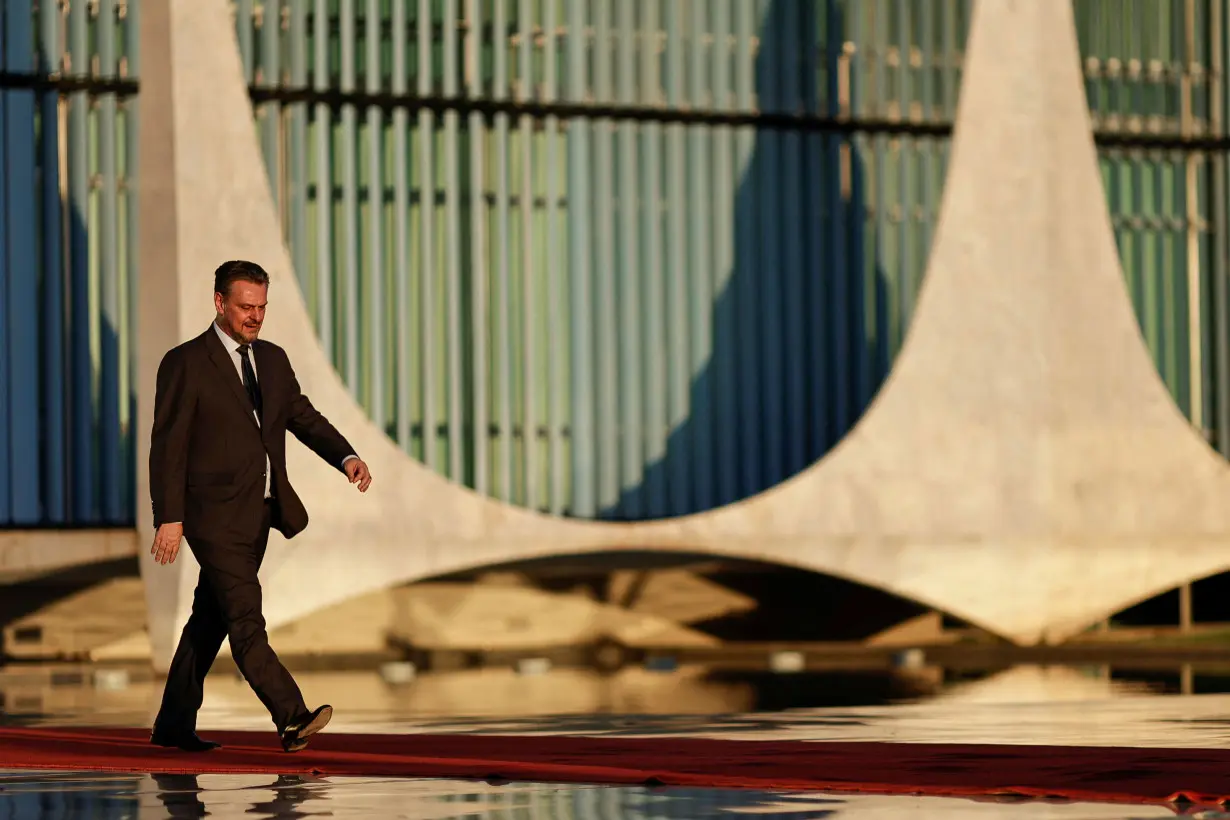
{"points": [[230, 344]]}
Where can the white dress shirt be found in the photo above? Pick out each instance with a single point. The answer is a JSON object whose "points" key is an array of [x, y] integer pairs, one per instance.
{"points": [[232, 347]]}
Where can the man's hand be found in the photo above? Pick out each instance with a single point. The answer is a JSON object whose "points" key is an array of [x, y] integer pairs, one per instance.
{"points": [[358, 473], [166, 543]]}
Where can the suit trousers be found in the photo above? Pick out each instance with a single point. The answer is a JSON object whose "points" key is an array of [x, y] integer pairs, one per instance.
{"points": [[227, 604]]}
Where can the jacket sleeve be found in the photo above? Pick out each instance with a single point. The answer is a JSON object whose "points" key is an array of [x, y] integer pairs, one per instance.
{"points": [[174, 409], [308, 425]]}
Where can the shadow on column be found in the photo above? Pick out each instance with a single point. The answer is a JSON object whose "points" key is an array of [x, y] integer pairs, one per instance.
{"points": [[798, 348]]}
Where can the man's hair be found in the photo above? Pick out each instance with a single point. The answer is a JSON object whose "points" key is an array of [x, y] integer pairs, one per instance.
{"points": [[238, 270]]}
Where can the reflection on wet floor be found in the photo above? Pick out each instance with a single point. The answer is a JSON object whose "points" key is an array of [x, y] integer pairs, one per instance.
{"points": [[529, 690], [1046, 705], [43, 796]]}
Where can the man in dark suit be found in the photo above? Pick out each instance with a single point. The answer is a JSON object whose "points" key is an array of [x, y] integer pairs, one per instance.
{"points": [[218, 478]]}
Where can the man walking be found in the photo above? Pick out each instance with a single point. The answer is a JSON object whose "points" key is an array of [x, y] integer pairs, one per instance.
{"points": [[223, 405]]}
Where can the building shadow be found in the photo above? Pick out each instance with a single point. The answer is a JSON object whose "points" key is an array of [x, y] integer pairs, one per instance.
{"points": [[798, 346]]}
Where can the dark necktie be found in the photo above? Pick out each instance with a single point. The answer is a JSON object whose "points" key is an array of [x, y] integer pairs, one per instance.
{"points": [[249, 380]]}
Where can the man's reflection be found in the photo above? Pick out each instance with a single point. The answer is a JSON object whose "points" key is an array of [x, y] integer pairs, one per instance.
{"points": [[180, 795], [289, 792]]}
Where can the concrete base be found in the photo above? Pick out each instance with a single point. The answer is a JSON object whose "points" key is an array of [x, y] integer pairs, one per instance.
{"points": [[1023, 467], [432, 616], [75, 625], [30, 553]]}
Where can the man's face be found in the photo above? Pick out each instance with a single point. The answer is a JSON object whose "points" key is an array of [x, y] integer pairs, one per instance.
{"points": [[241, 312]]}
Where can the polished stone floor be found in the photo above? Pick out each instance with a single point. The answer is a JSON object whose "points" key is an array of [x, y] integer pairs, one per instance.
{"points": [[1024, 705], [114, 796]]}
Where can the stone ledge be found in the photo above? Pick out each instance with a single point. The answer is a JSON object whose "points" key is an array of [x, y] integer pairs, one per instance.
{"points": [[26, 553]]}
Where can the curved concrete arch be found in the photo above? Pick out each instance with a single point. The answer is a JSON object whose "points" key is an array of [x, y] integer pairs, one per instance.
{"points": [[1023, 466]]}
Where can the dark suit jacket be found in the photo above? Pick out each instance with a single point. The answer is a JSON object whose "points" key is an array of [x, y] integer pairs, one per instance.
{"points": [[207, 453]]}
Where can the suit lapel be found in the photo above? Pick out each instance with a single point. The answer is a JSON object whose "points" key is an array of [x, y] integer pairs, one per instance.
{"points": [[266, 379], [226, 369]]}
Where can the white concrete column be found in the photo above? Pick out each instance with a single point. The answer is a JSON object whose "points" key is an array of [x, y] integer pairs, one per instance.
{"points": [[158, 308], [1023, 467]]}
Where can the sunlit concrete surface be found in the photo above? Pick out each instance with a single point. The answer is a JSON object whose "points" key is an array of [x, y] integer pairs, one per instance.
{"points": [[506, 613], [1023, 467], [38, 796], [73, 625], [28, 553]]}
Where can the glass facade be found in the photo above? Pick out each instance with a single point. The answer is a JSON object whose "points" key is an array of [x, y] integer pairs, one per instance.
{"points": [[635, 259], [618, 259], [1155, 82], [608, 259], [67, 275]]}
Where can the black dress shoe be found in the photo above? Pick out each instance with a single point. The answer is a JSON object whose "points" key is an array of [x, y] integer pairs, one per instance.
{"points": [[185, 741], [295, 735]]}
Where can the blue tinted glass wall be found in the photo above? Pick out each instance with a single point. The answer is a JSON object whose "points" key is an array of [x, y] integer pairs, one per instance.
{"points": [[66, 262]]}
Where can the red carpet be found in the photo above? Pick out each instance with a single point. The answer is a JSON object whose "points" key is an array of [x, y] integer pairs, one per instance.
{"points": [[1124, 775]]}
